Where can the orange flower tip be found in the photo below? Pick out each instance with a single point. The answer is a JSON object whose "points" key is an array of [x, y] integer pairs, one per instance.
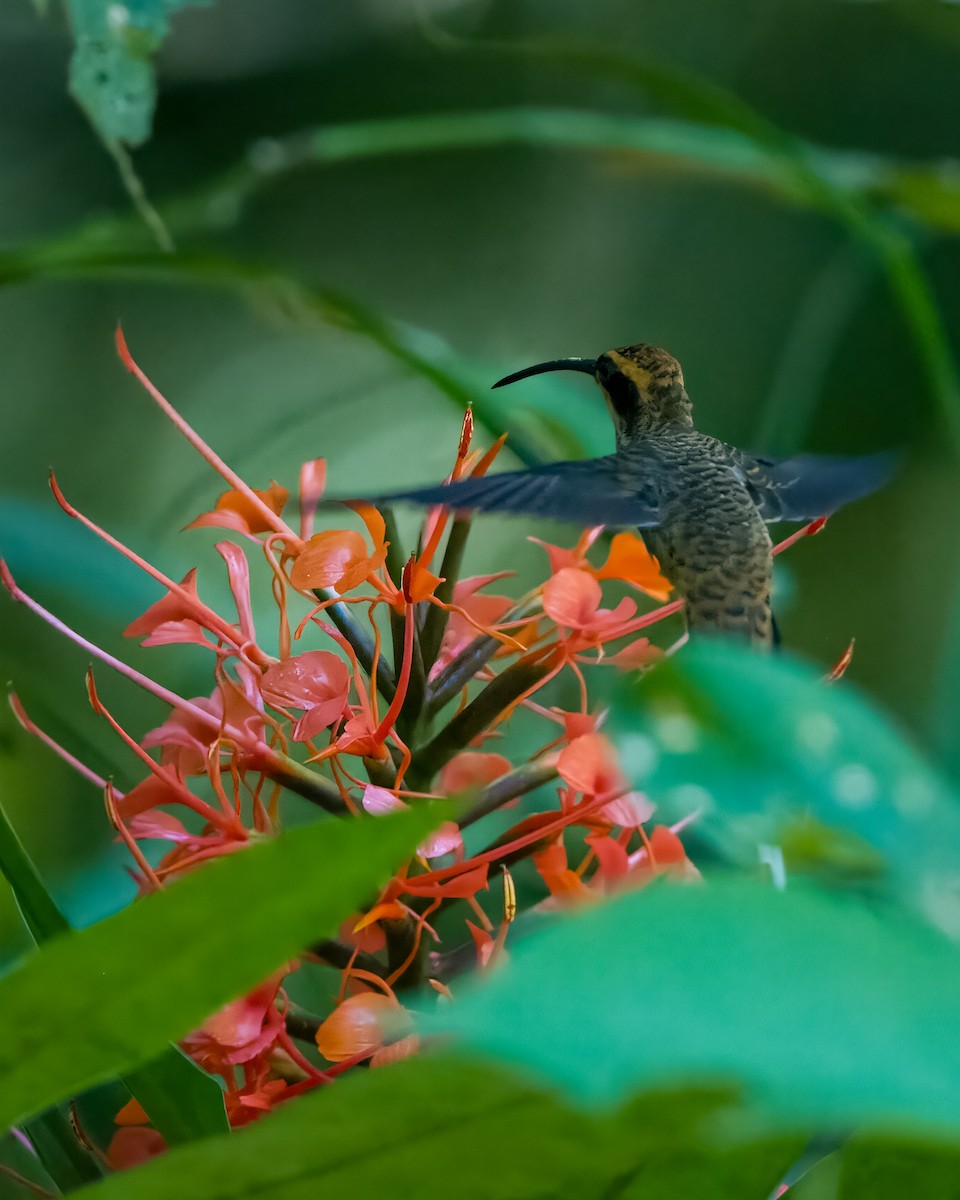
{"points": [[92, 689], [124, 351], [59, 496], [8, 580]]}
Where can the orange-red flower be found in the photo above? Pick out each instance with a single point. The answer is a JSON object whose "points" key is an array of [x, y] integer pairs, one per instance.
{"points": [[317, 681], [236, 510], [339, 558]]}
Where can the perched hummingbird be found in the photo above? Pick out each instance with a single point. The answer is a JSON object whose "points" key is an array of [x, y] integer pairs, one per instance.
{"points": [[701, 505]]}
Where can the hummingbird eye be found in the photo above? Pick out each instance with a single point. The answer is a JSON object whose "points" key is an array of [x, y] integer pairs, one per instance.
{"points": [[619, 388]]}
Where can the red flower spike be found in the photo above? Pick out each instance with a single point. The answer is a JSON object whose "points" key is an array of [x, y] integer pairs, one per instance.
{"points": [[466, 434], [838, 670]]}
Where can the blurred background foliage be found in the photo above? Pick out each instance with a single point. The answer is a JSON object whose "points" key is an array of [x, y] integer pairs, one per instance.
{"points": [[355, 216]]}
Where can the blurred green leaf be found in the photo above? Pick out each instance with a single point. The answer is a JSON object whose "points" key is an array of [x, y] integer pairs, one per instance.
{"points": [[730, 141], [154, 971], [68, 1163], [890, 242], [111, 72], [890, 1166], [28, 531], [183, 1102], [765, 752], [37, 907], [811, 1002], [17, 1157], [438, 1126]]}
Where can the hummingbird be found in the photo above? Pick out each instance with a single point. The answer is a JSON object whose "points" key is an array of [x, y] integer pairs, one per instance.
{"points": [[701, 505]]}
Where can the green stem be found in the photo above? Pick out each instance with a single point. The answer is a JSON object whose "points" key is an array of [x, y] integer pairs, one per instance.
{"points": [[437, 617], [478, 715], [508, 787], [341, 956], [307, 783], [40, 912], [396, 559]]}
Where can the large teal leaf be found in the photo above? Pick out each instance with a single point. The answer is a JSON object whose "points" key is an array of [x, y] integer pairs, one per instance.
{"points": [[766, 753], [440, 1127], [822, 1008], [103, 1001]]}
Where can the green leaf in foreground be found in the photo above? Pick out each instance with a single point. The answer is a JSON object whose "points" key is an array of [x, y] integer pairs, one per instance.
{"points": [[821, 1008], [102, 1001], [440, 1127], [765, 752], [181, 1099]]}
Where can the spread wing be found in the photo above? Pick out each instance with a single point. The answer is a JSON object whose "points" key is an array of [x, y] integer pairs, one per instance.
{"points": [[812, 485], [587, 492]]}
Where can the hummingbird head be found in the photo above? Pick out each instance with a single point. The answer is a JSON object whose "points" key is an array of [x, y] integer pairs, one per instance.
{"points": [[642, 385]]}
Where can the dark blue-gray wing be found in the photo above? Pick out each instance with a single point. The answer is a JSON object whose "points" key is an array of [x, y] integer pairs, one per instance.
{"points": [[812, 485], [587, 492]]}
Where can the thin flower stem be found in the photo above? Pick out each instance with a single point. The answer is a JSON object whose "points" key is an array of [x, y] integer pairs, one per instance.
{"points": [[362, 645], [204, 615], [279, 767], [29, 725], [403, 680], [110, 798], [809, 530], [228, 823], [275, 522]]}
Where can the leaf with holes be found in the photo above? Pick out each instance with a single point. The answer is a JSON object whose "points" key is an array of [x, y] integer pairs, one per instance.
{"points": [[767, 755]]}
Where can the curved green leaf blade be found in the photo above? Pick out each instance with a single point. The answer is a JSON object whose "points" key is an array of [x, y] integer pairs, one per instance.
{"points": [[437, 1127], [182, 1101], [151, 973], [822, 1008]]}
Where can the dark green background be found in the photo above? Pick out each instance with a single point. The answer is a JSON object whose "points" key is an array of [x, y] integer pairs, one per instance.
{"points": [[490, 257]]}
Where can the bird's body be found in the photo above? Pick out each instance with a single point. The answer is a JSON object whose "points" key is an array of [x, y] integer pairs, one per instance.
{"points": [[701, 505], [711, 542]]}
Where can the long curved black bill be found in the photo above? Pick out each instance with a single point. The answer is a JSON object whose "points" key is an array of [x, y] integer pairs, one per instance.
{"points": [[587, 365]]}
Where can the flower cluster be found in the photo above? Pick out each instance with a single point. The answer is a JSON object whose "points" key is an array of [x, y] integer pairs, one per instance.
{"points": [[383, 681]]}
